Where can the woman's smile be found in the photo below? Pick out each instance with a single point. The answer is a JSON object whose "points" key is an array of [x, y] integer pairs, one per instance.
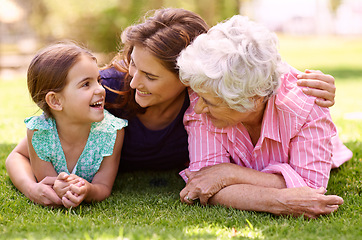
{"points": [[142, 93]]}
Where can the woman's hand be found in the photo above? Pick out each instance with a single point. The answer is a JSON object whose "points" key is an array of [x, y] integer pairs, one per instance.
{"points": [[43, 193], [307, 202], [206, 182], [319, 85]]}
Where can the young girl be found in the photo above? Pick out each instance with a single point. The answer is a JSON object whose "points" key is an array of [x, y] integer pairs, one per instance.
{"points": [[74, 139]]}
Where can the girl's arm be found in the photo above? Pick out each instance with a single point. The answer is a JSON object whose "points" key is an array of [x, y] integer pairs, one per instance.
{"points": [[20, 173], [41, 168], [101, 186], [319, 85]]}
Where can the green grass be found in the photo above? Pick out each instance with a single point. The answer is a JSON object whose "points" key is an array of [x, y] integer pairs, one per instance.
{"points": [[145, 205]]}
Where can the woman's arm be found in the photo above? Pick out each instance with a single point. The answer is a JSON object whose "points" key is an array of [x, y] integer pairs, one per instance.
{"points": [[20, 173], [319, 85], [101, 186], [209, 180], [280, 201], [304, 201]]}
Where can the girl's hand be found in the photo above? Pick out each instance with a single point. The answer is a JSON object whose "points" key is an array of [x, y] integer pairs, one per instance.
{"points": [[319, 85], [63, 182], [76, 194]]}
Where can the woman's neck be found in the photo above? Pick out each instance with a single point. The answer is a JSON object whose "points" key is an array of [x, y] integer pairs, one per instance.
{"points": [[160, 116], [253, 126]]}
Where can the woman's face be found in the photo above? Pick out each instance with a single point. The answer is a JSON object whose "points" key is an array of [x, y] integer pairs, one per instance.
{"points": [[220, 114], [154, 84]]}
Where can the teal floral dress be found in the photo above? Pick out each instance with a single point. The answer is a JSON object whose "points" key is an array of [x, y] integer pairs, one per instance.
{"points": [[100, 144]]}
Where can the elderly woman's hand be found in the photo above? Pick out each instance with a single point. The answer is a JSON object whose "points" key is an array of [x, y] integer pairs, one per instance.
{"points": [[207, 182], [307, 202], [319, 85]]}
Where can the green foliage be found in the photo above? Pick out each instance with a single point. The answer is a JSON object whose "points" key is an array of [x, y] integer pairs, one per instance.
{"points": [[99, 24], [145, 205]]}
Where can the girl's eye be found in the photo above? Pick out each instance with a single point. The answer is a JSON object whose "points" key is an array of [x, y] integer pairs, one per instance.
{"points": [[86, 84]]}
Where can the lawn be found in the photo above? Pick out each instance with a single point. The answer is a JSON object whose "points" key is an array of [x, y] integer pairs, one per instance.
{"points": [[145, 205]]}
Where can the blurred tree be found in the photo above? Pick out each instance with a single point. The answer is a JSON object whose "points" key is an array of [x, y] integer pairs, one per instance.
{"points": [[335, 4], [98, 24]]}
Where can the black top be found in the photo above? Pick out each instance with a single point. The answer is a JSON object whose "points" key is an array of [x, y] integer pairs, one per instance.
{"points": [[145, 149]]}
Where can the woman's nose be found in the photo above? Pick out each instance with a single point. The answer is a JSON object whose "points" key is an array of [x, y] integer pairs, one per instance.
{"points": [[135, 80]]}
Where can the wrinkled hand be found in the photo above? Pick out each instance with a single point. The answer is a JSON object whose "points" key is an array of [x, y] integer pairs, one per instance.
{"points": [[205, 183], [306, 201], [43, 193], [318, 85]]}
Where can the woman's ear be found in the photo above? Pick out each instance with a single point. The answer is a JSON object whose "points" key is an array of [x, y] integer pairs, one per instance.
{"points": [[53, 100]]}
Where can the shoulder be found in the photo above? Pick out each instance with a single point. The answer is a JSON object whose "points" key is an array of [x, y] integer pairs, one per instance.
{"points": [[110, 123], [112, 78], [39, 122], [290, 97]]}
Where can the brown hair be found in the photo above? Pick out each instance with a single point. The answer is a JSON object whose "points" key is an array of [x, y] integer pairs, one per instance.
{"points": [[164, 34], [49, 68]]}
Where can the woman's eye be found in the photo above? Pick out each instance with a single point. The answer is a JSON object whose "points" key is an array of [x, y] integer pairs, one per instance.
{"points": [[149, 77], [131, 63]]}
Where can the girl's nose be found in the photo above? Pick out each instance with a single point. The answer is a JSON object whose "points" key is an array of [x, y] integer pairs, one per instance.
{"points": [[99, 89]]}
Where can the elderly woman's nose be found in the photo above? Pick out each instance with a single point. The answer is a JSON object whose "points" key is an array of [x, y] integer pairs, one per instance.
{"points": [[200, 106]]}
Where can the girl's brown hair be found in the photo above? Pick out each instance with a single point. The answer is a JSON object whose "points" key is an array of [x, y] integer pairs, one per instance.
{"points": [[164, 34], [49, 68]]}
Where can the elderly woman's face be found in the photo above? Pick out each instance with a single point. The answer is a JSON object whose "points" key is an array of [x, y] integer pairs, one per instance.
{"points": [[220, 114]]}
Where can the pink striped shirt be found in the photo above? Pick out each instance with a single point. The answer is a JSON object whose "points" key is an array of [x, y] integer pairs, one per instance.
{"points": [[295, 138]]}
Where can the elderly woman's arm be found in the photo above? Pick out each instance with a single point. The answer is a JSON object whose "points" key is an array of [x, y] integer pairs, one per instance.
{"points": [[280, 201], [288, 201], [209, 180]]}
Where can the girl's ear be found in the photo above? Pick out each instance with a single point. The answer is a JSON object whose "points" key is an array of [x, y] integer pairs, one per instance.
{"points": [[53, 100]]}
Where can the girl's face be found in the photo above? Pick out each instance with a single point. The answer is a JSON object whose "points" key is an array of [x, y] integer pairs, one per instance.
{"points": [[154, 84], [82, 98]]}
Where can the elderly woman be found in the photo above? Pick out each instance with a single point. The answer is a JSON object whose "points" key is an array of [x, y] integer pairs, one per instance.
{"points": [[253, 133]]}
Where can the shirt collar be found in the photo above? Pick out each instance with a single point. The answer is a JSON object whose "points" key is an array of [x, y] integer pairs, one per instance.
{"points": [[270, 125]]}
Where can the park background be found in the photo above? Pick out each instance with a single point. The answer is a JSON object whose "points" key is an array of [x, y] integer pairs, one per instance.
{"points": [[314, 34]]}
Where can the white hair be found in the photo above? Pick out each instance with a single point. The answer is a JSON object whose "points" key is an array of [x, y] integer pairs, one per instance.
{"points": [[238, 60]]}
